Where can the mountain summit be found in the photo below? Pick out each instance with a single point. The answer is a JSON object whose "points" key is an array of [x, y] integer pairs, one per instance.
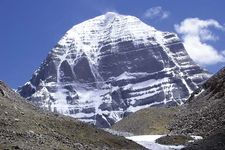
{"points": [[111, 65]]}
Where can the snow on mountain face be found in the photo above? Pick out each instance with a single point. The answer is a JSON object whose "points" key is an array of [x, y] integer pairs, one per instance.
{"points": [[111, 65]]}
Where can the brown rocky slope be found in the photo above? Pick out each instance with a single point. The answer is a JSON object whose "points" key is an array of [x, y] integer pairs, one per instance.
{"points": [[153, 120]]}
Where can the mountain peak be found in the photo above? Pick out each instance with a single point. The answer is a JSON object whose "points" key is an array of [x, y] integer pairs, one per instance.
{"points": [[110, 19], [112, 65], [89, 35]]}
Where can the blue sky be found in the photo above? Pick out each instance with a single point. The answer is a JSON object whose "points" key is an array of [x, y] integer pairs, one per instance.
{"points": [[29, 28]]}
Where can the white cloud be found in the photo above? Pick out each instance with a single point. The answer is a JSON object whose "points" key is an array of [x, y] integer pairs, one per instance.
{"points": [[195, 34], [156, 12]]}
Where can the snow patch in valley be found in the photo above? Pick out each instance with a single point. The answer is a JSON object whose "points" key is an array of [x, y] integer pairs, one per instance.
{"points": [[148, 141]]}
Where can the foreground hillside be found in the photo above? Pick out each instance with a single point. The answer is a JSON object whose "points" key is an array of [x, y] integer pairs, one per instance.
{"points": [[215, 141], [204, 111], [153, 120], [24, 126], [204, 115]]}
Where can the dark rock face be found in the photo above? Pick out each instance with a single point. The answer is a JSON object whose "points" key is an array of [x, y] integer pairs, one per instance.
{"points": [[203, 114], [66, 74], [112, 65], [83, 71], [137, 60]]}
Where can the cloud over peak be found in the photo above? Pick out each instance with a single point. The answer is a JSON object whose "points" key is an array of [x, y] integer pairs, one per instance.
{"points": [[195, 34], [156, 12]]}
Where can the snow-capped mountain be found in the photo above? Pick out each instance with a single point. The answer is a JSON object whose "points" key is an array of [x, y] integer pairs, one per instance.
{"points": [[111, 65]]}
